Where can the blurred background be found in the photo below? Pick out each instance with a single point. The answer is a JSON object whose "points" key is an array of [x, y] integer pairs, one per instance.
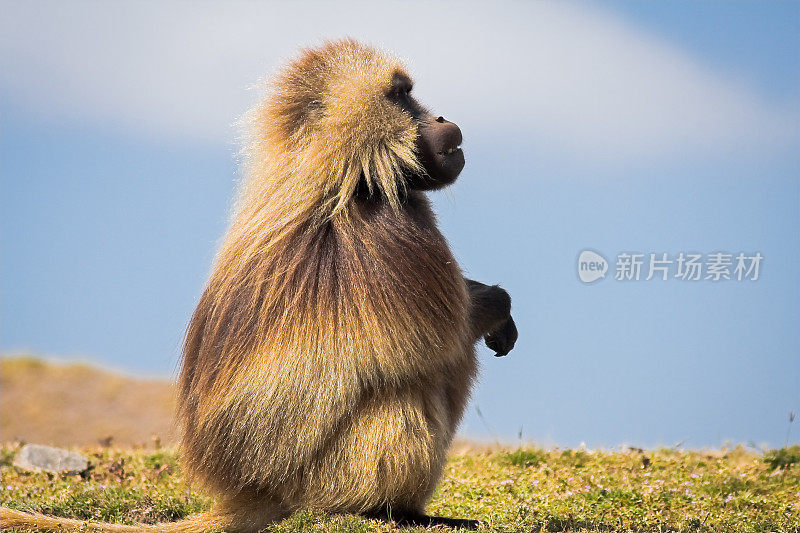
{"points": [[618, 127]]}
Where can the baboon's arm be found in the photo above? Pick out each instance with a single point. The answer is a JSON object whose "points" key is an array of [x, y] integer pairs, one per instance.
{"points": [[490, 316]]}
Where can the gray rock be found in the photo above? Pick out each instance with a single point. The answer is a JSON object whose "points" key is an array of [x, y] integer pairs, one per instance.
{"points": [[38, 457]]}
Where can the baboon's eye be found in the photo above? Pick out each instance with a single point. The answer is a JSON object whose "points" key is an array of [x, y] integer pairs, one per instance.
{"points": [[313, 105], [400, 86], [396, 93]]}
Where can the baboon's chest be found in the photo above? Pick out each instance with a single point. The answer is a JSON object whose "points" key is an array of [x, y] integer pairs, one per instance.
{"points": [[398, 268]]}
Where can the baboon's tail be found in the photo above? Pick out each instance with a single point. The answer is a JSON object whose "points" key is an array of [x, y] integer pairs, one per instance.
{"points": [[22, 521]]}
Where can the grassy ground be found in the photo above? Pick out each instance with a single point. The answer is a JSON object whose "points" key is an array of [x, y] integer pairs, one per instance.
{"points": [[507, 490]]}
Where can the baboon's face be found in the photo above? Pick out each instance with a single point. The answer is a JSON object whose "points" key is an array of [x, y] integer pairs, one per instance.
{"points": [[438, 143], [343, 114]]}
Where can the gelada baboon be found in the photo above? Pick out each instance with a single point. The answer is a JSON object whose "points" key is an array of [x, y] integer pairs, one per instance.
{"points": [[331, 355]]}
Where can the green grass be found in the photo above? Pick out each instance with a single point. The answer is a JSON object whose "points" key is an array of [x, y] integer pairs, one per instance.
{"points": [[527, 489]]}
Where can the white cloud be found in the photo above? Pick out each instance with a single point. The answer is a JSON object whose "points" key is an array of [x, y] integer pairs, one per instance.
{"points": [[561, 76]]}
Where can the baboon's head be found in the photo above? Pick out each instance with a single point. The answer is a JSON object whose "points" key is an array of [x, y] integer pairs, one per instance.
{"points": [[342, 118]]}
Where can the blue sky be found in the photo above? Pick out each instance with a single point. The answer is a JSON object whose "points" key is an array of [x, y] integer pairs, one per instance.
{"points": [[648, 127]]}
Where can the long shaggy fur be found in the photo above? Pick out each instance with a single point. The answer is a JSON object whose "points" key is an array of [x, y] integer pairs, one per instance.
{"points": [[329, 359]]}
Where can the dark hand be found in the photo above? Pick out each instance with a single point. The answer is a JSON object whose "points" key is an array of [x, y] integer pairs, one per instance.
{"points": [[502, 340]]}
